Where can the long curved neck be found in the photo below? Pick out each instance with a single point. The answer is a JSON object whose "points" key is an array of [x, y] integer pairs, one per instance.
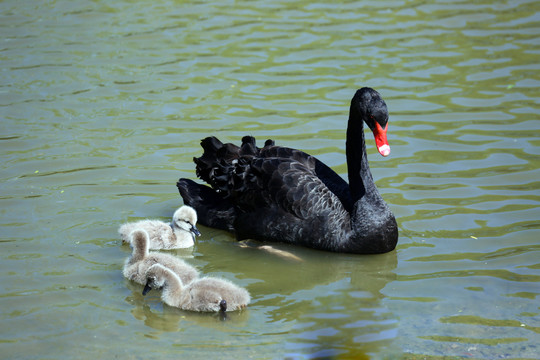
{"points": [[182, 235], [172, 288], [373, 226], [357, 163], [140, 248]]}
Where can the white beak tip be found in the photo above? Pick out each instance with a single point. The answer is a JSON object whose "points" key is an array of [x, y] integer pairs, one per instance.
{"points": [[384, 150]]}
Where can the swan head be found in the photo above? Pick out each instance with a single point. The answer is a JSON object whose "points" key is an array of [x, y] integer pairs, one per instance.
{"points": [[185, 218], [373, 110], [154, 278]]}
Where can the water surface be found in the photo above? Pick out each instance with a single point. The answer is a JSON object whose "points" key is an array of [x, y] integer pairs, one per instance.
{"points": [[103, 105]]}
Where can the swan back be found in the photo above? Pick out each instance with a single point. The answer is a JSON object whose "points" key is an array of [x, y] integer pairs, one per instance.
{"points": [[213, 294], [159, 232]]}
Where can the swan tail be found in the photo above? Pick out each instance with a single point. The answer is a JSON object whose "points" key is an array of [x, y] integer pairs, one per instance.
{"points": [[213, 210], [224, 166], [216, 162]]}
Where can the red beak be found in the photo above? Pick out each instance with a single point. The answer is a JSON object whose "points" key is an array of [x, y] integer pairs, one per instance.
{"points": [[380, 139]]}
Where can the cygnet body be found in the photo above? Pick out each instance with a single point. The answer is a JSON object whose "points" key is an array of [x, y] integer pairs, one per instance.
{"points": [[180, 233], [141, 260], [205, 294]]}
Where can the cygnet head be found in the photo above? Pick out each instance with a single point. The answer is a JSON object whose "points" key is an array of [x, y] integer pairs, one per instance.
{"points": [[155, 278], [185, 218]]}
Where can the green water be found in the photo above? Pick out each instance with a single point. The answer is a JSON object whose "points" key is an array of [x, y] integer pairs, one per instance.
{"points": [[102, 108]]}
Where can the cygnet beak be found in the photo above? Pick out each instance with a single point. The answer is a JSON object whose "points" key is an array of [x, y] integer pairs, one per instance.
{"points": [[195, 231], [146, 289]]}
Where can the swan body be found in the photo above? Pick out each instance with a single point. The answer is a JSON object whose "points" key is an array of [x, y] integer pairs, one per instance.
{"points": [[281, 194], [179, 234], [205, 294], [141, 259]]}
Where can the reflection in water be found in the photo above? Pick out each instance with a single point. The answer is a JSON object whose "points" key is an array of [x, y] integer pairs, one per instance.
{"points": [[344, 316], [163, 318], [341, 292], [331, 302]]}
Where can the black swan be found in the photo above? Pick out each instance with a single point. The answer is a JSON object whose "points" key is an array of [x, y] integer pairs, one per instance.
{"points": [[281, 194]]}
